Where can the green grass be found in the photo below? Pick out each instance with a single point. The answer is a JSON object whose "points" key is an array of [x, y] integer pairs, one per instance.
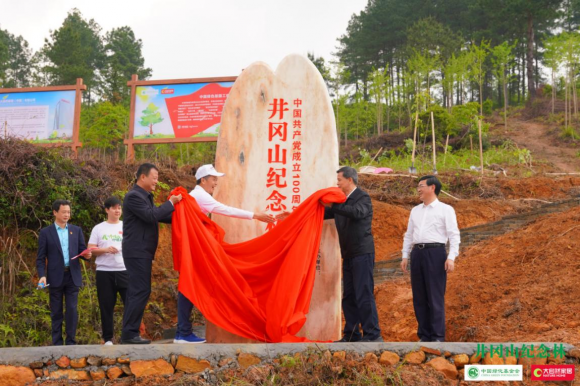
{"points": [[570, 132], [56, 140], [147, 136], [506, 155]]}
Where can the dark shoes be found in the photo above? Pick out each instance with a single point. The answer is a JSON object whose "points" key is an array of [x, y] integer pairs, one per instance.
{"points": [[345, 340], [363, 340], [371, 340], [135, 340]]}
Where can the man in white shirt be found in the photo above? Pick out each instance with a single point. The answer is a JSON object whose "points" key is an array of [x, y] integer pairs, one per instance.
{"points": [[207, 180], [111, 275], [431, 225]]}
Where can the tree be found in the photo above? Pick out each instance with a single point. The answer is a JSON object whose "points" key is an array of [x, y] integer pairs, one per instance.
{"points": [[570, 13], [321, 66], [478, 54], [421, 67], [123, 59], [15, 60], [502, 59], [103, 126], [553, 58], [534, 16], [379, 88], [339, 79], [430, 38], [570, 49], [75, 50], [4, 57], [150, 117]]}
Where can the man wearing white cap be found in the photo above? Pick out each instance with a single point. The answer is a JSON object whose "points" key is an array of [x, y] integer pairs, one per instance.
{"points": [[207, 180]]}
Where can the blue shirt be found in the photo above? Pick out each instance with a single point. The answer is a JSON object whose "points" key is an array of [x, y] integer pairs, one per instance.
{"points": [[63, 237]]}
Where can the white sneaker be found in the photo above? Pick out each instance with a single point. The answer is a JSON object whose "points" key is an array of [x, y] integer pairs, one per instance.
{"points": [[108, 343]]}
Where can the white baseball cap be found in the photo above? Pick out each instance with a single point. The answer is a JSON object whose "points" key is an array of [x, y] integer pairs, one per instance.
{"points": [[207, 170]]}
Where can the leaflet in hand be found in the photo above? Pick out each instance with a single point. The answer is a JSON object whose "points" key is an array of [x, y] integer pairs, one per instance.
{"points": [[84, 252]]}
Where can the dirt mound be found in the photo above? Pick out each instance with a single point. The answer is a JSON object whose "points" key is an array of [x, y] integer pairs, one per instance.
{"points": [[389, 226], [390, 221], [388, 141], [522, 286], [540, 187], [402, 190]]}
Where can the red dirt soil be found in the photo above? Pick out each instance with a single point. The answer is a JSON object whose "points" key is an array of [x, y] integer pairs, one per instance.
{"points": [[521, 286], [390, 221]]}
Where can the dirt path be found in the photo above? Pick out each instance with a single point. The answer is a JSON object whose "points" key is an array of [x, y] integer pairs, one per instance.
{"points": [[542, 142]]}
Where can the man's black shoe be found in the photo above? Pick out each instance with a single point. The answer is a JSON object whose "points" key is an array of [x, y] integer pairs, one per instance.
{"points": [[346, 340], [367, 340], [135, 340]]}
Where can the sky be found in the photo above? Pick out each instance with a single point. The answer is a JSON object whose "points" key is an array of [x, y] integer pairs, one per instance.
{"points": [[193, 38]]}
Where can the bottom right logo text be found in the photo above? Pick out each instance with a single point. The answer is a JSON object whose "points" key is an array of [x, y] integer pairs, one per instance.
{"points": [[552, 373]]}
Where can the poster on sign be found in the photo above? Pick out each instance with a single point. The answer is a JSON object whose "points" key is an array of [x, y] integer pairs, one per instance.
{"points": [[277, 146], [38, 117], [179, 110]]}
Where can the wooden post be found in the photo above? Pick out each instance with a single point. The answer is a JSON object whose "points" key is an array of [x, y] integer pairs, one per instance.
{"points": [[445, 151], [130, 147], [77, 116], [480, 146], [434, 150]]}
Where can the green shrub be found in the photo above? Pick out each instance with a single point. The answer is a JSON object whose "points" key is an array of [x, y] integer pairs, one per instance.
{"points": [[487, 107]]}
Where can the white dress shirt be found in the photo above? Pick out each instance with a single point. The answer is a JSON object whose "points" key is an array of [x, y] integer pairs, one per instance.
{"points": [[351, 192], [433, 223], [208, 204]]}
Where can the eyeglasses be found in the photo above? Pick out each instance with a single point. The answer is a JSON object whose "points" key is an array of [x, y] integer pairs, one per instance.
{"points": [[421, 187]]}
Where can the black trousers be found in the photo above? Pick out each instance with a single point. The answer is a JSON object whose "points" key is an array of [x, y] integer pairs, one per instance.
{"points": [[138, 291], [109, 284], [358, 300], [428, 282], [70, 292], [184, 308]]}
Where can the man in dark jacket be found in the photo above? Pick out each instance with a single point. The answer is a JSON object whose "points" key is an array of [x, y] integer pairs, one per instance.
{"points": [[140, 237], [353, 221], [58, 266]]}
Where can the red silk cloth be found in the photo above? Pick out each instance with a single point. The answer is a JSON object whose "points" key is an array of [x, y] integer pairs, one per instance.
{"points": [[259, 289]]}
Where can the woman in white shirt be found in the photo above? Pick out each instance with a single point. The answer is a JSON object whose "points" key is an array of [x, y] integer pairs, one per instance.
{"points": [[111, 275]]}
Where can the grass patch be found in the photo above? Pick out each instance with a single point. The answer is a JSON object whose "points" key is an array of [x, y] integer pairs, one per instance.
{"points": [[508, 154]]}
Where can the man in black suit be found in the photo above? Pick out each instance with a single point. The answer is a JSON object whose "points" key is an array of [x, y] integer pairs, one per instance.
{"points": [[353, 221], [58, 246], [141, 220]]}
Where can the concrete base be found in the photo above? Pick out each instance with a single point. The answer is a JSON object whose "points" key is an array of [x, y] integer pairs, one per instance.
{"points": [[214, 352]]}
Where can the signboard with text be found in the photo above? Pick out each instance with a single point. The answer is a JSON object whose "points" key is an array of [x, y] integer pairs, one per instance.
{"points": [[42, 115], [176, 111]]}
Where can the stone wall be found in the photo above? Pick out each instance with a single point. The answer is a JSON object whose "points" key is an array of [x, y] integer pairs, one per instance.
{"points": [[99, 363]]}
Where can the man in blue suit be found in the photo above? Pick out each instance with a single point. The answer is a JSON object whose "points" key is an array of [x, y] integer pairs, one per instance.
{"points": [[57, 267]]}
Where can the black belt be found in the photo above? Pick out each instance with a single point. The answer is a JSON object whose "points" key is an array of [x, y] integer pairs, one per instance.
{"points": [[428, 245], [66, 269]]}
